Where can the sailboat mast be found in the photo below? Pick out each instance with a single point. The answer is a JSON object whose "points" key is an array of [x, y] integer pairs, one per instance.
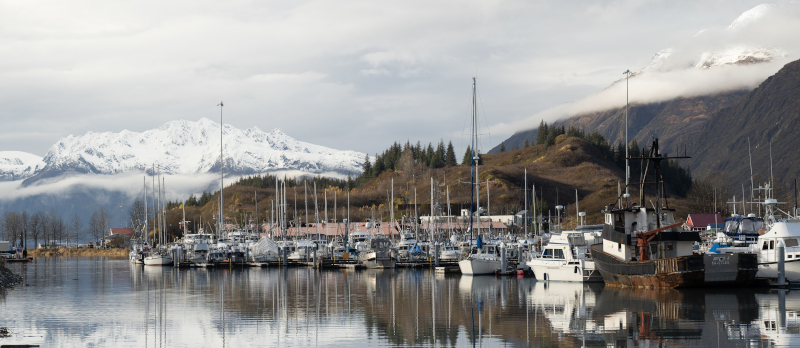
{"points": [[155, 218], [488, 207], [221, 174], [316, 210], [163, 209], [525, 193], [146, 225], [449, 223], [474, 172], [305, 198], [391, 218]]}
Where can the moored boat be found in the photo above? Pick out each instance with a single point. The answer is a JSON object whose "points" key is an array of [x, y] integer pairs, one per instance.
{"points": [[379, 254], [566, 258], [645, 247]]}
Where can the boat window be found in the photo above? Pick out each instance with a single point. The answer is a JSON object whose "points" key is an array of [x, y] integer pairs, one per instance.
{"points": [[792, 242], [771, 244], [669, 246], [765, 246], [548, 254], [558, 254]]}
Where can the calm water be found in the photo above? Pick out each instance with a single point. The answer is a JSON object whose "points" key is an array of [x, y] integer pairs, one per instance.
{"points": [[80, 302]]}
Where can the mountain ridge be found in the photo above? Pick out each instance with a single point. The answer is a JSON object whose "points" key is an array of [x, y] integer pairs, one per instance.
{"points": [[187, 147]]}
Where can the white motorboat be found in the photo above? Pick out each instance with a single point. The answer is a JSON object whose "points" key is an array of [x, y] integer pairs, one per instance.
{"points": [[788, 233], [566, 258]]}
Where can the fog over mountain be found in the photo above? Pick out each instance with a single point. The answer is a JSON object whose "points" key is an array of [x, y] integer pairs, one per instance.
{"points": [[719, 59]]}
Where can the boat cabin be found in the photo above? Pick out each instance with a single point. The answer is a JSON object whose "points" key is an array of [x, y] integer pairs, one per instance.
{"points": [[380, 244], [620, 237]]}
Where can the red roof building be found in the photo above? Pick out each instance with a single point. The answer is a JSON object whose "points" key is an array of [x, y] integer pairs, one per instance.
{"points": [[125, 232]]}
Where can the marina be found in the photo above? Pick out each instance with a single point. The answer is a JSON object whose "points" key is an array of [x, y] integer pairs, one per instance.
{"points": [[625, 176]]}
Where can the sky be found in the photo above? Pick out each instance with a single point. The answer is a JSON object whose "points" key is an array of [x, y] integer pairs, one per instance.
{"points": [[350, 75]]}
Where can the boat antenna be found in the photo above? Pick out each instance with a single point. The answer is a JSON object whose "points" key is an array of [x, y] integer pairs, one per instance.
{"points": [[771, 177], [750, 155]]}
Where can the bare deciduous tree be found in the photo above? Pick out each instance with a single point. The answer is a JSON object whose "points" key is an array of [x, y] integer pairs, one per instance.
{"points": [[76, 228]]}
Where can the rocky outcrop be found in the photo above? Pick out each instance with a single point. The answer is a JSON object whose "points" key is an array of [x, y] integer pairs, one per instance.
{"points": [[7, 278]]}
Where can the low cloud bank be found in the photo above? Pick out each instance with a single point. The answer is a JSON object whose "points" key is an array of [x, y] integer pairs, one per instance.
{"points": [[736, 57]]}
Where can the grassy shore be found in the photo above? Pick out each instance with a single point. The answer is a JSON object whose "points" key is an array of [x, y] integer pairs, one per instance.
{"points": [[116, 252]]}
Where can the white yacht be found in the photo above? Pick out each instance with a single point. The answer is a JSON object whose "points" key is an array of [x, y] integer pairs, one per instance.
{"points": [[567, 258], [781, 231]]}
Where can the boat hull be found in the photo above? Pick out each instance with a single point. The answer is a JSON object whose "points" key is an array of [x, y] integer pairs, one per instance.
{"points": [[158, 261], [380, 263], [565, 271], [770, 270], [677, 272], [478, 266]]}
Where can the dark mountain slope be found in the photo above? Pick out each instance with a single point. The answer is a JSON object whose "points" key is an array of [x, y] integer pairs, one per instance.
{"points": [[771, 112], [665, 120]]}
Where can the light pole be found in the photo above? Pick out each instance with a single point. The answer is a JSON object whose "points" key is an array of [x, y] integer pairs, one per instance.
{"points": [[627, 167]]}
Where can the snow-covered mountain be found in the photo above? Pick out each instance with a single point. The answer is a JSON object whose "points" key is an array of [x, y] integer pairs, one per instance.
{"points": [[728, 47], [17, 165], [186, 147]]}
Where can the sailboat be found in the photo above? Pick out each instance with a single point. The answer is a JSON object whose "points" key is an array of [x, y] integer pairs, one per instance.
{"points": [[159, 256], [483, 257]]}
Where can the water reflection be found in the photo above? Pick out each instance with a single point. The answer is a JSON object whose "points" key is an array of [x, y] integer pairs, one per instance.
{"points": [[99, 302]]}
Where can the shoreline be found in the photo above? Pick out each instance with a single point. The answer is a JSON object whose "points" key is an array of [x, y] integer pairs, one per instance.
{"points": [[80, 252]]}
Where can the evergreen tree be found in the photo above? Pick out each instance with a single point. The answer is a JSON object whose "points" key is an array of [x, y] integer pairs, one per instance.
{"points": [[428, 159], [367, 168], [541, 136], [450, 157], [503, 147], [438, 156], [527, 143], [467, 157], [379, 165]]}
